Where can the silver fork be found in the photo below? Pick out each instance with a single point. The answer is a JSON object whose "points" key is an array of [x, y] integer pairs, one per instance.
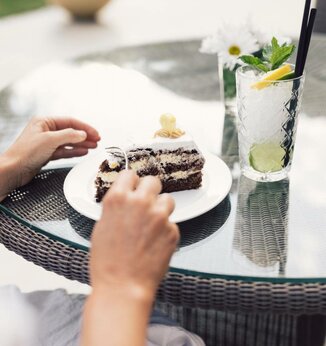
{"points": [[124, 154]]}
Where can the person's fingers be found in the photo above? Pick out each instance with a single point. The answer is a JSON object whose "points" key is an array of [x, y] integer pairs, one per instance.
{"points": [[166, 203], [168, 233], [174, 235], [63, 153], [62, 137], [84, 144], [149, 185], [63, 123], [127, 180]]}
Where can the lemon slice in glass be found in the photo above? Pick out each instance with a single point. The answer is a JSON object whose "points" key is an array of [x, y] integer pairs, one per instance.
{"points": [[272, 76], [266, 157]]}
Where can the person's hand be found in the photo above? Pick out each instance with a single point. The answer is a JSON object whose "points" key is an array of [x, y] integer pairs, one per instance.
{"points": [[133, 242], [131, 248], [46, 139]]}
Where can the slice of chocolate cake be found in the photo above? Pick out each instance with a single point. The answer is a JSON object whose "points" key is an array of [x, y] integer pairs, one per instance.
{"points": [[172, 156]]}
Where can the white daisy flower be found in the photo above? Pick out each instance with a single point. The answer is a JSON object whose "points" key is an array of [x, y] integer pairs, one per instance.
{"points": [[209, 44], [229, 43], [233, 42]]}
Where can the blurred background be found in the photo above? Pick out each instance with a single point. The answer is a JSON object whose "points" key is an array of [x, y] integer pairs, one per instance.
{"points": [[36, 32]]}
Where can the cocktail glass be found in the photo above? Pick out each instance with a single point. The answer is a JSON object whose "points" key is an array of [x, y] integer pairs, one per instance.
{"points": [[267, 123]]}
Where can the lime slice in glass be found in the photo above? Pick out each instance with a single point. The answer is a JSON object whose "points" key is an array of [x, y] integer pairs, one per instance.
{"points": [[266, 157]]}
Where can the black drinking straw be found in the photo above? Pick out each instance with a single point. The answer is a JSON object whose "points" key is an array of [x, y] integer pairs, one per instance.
{"points": [[302, 39], [304, 42], [310, 27]]}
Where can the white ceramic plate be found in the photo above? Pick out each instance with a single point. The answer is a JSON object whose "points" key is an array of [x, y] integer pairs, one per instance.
{"points": [[80, 191]]}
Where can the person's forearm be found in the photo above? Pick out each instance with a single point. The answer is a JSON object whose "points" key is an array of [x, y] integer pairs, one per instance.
{"points": [[116, 317], [8, 175]]}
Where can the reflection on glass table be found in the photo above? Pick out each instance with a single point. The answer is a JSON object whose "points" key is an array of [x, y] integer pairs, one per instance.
{"points": [[260, 235]]}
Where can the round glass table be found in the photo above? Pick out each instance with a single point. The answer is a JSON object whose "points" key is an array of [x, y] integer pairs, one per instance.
{"points": [[262, 249]]}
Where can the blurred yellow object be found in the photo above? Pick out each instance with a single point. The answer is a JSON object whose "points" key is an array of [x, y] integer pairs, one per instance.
{"points": [[81, 8]]}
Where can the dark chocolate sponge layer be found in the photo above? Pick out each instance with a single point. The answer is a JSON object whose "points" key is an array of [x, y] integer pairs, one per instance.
{"points": [[193, 181]]}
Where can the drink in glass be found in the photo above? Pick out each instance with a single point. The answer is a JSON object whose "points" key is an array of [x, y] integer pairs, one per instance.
{"points": [[267, 122]]}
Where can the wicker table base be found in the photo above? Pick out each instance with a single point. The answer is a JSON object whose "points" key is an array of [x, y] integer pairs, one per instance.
{"points": [[219, 328]]}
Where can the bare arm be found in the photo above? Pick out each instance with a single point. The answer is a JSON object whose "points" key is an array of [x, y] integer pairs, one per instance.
{"points": [[116, 317], [131, 248]]}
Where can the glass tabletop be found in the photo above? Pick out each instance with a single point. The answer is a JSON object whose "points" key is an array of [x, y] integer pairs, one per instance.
{"points": [[260, 231]]}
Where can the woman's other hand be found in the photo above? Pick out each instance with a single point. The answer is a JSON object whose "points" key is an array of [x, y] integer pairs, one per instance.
{"points": [[43, 140]]}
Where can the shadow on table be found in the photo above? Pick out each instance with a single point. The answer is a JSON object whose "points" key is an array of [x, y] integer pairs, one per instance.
{"points": [[191, 231], [203, 226]]}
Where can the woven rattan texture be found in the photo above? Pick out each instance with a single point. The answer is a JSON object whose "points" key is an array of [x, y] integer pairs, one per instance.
{"points": [[178, 289], [235, 295], [43, 251], [43, 200], [225, 328]]}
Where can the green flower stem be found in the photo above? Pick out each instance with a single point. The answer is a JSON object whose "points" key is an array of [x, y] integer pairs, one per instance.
{"points": [[229, 83]]}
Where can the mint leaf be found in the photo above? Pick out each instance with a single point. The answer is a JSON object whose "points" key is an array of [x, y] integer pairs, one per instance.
{"points": [[273, 56], [250, 59], [267, 53], [275, 44], [270, 49], [280, 55], [255, 62]]}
